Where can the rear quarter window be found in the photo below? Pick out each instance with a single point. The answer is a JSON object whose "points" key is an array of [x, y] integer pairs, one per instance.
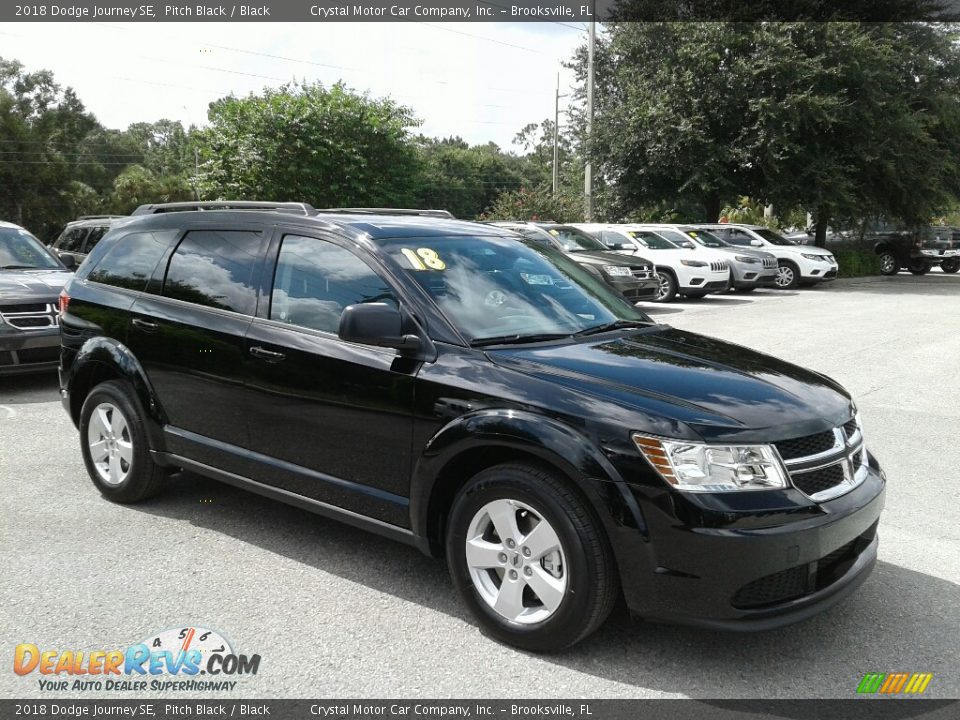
{"points": [[131, 260]]}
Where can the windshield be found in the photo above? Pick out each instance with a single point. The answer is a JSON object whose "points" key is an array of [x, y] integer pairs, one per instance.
{"points": [[651, 240], [574, 240], [773, 238], [493, 288], [676, 237], [707, 239], [21, 250]]}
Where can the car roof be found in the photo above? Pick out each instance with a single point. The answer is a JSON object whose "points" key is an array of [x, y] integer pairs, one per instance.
{"points": [[376, 226]]}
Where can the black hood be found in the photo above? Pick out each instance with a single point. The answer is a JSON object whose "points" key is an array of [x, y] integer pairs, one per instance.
{"points": [[604, 257], [720, 390], [18, 286]]}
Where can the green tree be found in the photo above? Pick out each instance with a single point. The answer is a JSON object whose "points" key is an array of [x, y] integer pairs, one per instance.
{"points": [[303, 141], [841, 119], [536, 204]]}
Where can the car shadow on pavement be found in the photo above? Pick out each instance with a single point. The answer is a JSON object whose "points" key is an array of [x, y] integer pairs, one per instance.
{"points": [[940, 284], [898, 621], [24, 389]]}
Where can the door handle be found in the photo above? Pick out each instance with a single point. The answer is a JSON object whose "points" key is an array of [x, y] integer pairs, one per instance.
{"points": [[268, 355], [145, 325]]}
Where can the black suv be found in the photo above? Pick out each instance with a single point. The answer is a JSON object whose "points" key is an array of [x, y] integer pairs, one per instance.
{"points": [[482, 398], [919, 250], [79, 237]]}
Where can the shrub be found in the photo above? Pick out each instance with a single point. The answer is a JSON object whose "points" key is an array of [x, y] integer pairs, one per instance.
{"points": [[857, 263]]}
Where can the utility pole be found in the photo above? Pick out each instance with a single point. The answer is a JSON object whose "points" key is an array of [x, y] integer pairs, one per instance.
{"points": [[588, 166], [556, 137]]}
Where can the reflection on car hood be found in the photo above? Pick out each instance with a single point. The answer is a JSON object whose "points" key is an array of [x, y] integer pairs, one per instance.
{"points": [[717, 388], [748, 251], [39, 285]]}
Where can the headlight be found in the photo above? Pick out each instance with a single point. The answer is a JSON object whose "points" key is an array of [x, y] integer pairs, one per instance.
{"points": [[693, 263], [617, 271], [746, 259], [697, 467], [821, 258]]}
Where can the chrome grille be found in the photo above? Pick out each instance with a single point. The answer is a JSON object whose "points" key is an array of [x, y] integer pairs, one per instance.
{"points": [[770, 262], [36, 316], [827, 464], [719, 266], [643, 274]]}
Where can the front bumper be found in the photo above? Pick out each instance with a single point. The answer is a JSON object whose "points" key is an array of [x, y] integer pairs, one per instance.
{"points": [[726, 574], [635, 289], [752, 277], [29, 351]]}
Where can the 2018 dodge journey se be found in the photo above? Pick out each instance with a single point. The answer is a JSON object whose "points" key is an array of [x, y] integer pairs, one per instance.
{"points": [[483, 398]]}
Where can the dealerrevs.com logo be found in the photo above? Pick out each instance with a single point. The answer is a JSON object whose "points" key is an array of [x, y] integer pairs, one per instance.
{"points": [[172, 660]]}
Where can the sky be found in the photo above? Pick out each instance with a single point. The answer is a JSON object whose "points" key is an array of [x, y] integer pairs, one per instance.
{"points": [[481, 81]]}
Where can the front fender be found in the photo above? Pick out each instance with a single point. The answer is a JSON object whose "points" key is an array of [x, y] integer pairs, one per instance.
{"points": [[101, 355], [551, 441]]}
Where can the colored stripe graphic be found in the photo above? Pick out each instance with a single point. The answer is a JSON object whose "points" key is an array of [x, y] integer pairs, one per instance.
{"points": [[894, 683]]}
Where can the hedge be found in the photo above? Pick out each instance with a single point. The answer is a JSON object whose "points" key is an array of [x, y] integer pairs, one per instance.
{"points": [[857, 263]]}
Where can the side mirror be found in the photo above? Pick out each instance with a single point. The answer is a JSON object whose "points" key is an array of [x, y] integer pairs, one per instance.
{"points": [[68, 259], [756, 243], [376, 324]]}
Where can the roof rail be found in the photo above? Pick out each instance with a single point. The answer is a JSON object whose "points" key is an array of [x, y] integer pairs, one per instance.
{"points": [[297, 208], [390, 211], [98, 217]]}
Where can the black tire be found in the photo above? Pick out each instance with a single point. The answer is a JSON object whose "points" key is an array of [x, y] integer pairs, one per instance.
{"points": [[588, 568], [919, 267], [695, 296], [950, 266], [668, 286], [788, 275], [888, 263], [139, 477], [745, 289]]}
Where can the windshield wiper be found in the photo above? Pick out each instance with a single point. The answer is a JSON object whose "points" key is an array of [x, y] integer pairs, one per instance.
{"points": [[515, 339], [615, 325], [19, 267]]}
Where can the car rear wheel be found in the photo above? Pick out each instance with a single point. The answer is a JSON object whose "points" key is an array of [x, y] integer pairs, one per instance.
{"points": [[919, 267], [529, 559], [788, 275], [667, 290], [951, 265], [888, 264], [113, 442], [744, 289]]}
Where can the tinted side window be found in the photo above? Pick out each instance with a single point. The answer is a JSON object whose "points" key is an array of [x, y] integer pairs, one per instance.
{"points": [[315, 280], [216, 268], [71, 240], [93, 238], [131, 260], [737, 237]]}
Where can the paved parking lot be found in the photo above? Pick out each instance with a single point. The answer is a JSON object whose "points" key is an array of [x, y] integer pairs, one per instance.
{"points": [[335, 612]]}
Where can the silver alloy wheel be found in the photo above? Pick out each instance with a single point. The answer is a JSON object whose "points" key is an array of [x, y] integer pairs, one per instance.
{"points": [[886, 263], [784, 276], [108, 438], [663, 289], [516, 561]]}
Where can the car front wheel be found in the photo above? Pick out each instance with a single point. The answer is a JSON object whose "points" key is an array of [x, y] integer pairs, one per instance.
{"points": [[888, 264], [667, 289], [529, 559], [950, 266], [788, 276], [113, 442]]}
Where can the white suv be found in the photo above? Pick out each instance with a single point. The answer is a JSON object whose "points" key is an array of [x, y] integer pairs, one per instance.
{"points": [[682, 271], [797, 264]]}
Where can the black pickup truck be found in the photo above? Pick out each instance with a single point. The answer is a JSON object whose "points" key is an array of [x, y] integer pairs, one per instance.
{"points": [[919, 250]]}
